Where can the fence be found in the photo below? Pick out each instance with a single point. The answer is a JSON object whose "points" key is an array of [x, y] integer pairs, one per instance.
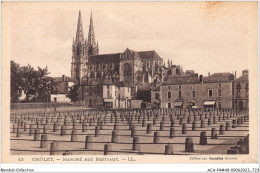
{"points": [[18, 106]]}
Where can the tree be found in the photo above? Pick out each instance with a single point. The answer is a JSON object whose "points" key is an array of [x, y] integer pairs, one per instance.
{"points": [[74, 93], [43, 85], [35, 83], [16, 82], [28, 76]]}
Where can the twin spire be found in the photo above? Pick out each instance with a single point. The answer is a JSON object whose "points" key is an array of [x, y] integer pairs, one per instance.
{"points": [[80, 33], [91, 35]]}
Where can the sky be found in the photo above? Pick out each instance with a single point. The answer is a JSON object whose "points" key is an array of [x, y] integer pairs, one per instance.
{"points": [[207, 37]]}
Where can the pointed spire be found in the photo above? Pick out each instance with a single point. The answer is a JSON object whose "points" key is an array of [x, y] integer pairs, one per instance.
{"points": [[91, 35], [79, 33], [171, 62], [168, 63]]}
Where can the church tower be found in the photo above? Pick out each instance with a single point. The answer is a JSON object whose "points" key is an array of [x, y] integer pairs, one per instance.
{"points": [[92, 44], [79, 52]]}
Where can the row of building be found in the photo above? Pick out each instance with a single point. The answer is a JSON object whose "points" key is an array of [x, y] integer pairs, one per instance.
{"points": [[219, 90]]}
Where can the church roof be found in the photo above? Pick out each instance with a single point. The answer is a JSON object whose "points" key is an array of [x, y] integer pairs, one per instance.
{"points": [[108, 58], [105, 58], [149, 55]]}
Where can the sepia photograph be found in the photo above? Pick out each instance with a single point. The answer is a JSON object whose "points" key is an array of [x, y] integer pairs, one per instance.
{"points": [[118, 82]]}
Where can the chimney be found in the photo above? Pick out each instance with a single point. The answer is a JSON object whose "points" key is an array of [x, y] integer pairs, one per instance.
{"points": [[63, 78], [244, 72], [209, 74], [201, 78], [235, 74]]}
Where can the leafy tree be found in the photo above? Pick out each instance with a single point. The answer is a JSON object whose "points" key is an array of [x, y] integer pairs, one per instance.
{"points": [[74, 93], [35, 83], [16, 82], [43, 85], [28, 76]]}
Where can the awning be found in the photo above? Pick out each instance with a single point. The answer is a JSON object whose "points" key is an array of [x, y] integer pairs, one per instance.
{"points": [[177, 104], [209, 103], [194, 107], [108, 100]]}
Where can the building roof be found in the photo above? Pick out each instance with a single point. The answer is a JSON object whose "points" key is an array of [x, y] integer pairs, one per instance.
{"points": [[181, 80], [144, 86], [149, 55], [218, 78], [243, 78], [156, 88], [105, 58], [60, 79], [215, 78]]}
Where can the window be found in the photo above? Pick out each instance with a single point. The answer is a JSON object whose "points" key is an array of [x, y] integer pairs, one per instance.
{"points": [[210, 93], [107, 86], [107, 93], [178, 71], [219, 85], [193, 94], [78, 50], [169, 95], [169, 105], [219, 93], [238, 86], [238, 93], [219, 105], [179, 94], [128, 103], [169, 87], [157, 96], [90, 92], [179, 87]]}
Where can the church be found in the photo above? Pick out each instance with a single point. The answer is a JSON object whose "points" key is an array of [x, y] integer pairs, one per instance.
{"points": [[128, 67]]}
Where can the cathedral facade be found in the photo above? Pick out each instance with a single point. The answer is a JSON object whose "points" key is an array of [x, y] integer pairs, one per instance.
{"points": [[128, 67]]}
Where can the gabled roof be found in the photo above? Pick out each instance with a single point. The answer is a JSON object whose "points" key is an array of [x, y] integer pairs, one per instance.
{"points": [[156, 88], [105, 58], [149, 55], [132, 52]]}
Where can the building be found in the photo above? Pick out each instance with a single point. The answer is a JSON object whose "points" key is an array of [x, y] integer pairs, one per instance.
{"points": [[103, 93], [241, 91], [214, 91], [60, 88], [129, 66]]}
